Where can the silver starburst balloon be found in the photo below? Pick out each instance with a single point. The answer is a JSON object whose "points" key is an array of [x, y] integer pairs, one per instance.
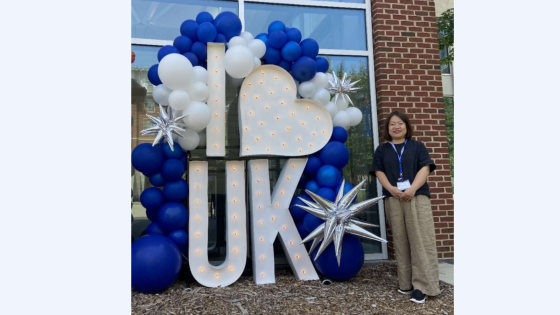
{"points": [[342, 87], [166, 126], [338, 219]]}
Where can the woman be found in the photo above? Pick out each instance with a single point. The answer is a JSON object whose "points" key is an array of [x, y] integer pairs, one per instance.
{"points": [[402, 166]]}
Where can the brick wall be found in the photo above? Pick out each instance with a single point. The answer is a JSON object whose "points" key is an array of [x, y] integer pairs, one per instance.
{"points": [[408, 79]]}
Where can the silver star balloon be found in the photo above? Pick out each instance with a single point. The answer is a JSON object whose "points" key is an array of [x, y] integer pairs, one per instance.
{"points": [[166, 126], [338, 219], [342, 87]]}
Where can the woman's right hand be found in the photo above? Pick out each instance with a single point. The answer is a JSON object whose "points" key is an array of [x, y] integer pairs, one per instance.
{"points": [[395, 192]]}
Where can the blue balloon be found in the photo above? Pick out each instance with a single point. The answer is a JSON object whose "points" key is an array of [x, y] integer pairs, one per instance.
{"points": [[327, 176], [157, 180], [176, 191], [152, 214], [322, 64], [304, 69], [302, 230], [339, 134], [285, 65], [220, 38], [199, 49], [298, 213], [151, 198], [312, 222], [188, 28], [203, 64], [147, 159], [336, 154], [154, 228], [192, 58], [312, 186], [293, 34], [153, 75], [172, 170], [176, 153], [291, 51], [263, 37], [179, 237], [156, 263], [313, 165], [327, 193], [302, 182], [166, 50], [309, 48], [172, 216], [228, 24], [272, 56], [204, 17], [183, 159], [351, 261], [276, 26], [206, 32], [277, 39], [183, 44]]}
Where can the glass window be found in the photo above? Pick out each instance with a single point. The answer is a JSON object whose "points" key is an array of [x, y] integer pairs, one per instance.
{"points": [[331, 28], [162, 19], [445, 67], [345, 1], [150, 105]]}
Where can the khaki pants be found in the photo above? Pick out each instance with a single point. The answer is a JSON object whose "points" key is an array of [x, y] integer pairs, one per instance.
{"points": [[414, 237]]}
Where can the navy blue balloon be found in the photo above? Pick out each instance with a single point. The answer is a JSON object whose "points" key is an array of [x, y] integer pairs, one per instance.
{"points": [[312, 222], [304, 69], [302, 230], [328, 176], [184, 160], [312, 186], [272, 56], [151, 198], [327, 193], [192, 58], [172, 170], [204, 17], [285, 65], [176, 191], [313, 165], [152, 214], [220, 38], [309, 47], [298, 213], [188, 28], [293, 34], [275, 26], [153, 75], [154, 228], [291, 51], [302, 182], [183, 44], [336, 154], [206, 32], [263, 37], [351, 261], [228, 24], [179, 237], [156, 263], [147, 159], [157, 180], [172, 216], [203, 64], [322, 64], [166, 50], [199, 49], [277, 39], [176, 153], [339, 134]]}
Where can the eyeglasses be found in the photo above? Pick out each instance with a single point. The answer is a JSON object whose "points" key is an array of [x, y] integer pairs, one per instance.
{"points": [[399, 124]]}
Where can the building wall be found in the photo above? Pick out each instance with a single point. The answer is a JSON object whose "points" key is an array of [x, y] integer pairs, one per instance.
{"points": [[443, 5], [408, 79]]}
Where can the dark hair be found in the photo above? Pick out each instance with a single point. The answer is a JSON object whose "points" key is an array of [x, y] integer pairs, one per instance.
{"points": [[403, 117]]}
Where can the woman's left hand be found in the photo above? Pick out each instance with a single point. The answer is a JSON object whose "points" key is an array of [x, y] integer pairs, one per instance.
{"points": [[408, 194]]}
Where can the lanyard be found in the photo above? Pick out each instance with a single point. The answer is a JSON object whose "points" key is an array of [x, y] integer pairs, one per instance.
{"points": [[401, 178]]}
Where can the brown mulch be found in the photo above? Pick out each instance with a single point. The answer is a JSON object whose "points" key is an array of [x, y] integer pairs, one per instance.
{"points": [[372, 291]]}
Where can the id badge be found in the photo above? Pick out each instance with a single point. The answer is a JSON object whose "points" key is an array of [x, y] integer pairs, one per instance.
{"points": [[403, 185]]}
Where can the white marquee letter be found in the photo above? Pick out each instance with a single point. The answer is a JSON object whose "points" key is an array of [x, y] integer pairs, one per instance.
{"points": [[215, 132]]}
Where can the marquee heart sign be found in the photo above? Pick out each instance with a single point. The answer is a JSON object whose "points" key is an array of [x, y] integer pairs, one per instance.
{"points": [[274, 122]]}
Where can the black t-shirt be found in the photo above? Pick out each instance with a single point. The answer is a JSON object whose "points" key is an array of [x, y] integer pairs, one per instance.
{"points": [[415, 156]]}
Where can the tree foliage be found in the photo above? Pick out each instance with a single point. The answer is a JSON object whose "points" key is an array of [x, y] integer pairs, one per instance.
{"points": [[445, 25]]}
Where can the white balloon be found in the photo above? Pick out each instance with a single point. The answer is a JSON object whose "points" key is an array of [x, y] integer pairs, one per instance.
{"points": [[341, 103], [198, 115], [306, 89], [236, 41], [202, 136], [190, 140], [258, 47], [331, 108], [320, 80], [178, 99], [200, 75], [246, 36], [257, 62], [355, 115], [161, 95], [175, 71], [341, 119], [198, 91], [322, 96], [239, 61], [233, 81], [330, 77]]}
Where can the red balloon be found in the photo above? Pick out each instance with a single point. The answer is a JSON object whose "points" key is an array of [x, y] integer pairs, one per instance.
{"points": [[133, 56]]}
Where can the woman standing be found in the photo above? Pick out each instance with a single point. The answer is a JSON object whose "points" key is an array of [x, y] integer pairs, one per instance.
{"points": [[402, 166]]}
